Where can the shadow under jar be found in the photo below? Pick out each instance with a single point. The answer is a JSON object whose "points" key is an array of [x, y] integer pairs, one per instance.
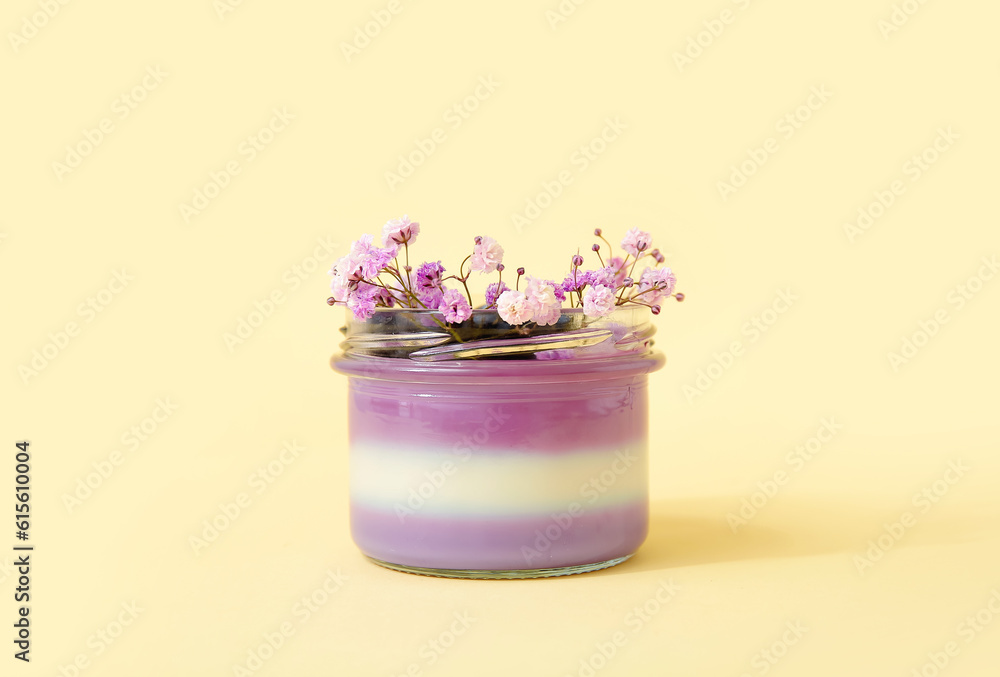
{"points": [[485, 450]]}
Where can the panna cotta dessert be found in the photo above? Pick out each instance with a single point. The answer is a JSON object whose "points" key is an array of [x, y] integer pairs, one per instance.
{"points": [[524, 466]]}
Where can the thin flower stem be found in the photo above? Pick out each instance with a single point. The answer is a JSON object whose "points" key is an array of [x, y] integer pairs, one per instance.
{"points": [[632, 269], [411, 297], [599, 257], [382, 284], [621, 292], [400, 291], [464, 277], [447, 328], [610, 248], [635, 296], [444, 326]]}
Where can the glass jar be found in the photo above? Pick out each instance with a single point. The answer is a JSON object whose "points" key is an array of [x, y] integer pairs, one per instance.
{"points": [[484, 450]]}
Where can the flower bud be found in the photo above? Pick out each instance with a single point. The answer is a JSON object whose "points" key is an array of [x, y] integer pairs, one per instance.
{"points": [[577, 260], [628, 282], [479, 239], [655, 309], [520, 271], [330, 301], [596, 248], [679, 296], [597, 232], [500, 267]]}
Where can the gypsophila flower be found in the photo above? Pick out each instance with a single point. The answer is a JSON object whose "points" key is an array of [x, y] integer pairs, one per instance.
{"points": [[486, 255], [493, 292], [513, 307], [345, 274], [400, 231], [429, 286], [369, 258], [576, 282], [361, 300], [541, 296], [384, 297], [455, 307], [378, 261], [636, 241], [656, 283], [602, 276], [362, 248], [598, 300]]}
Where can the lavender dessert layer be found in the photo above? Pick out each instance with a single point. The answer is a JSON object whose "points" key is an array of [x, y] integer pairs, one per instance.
{"points": [[571, 537], [498, 406]]}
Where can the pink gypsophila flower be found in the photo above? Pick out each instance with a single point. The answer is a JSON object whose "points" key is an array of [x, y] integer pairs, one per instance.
{"points": [[400, 231], [361, 300], [598, 301], [345, 274], [542, 300], [661, 280], [454, 306], [636, 241], [370, 258], [486, 255], [513, 307]]}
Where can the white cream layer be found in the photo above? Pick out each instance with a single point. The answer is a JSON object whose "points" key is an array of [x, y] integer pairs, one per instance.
{"points": [[442, 483]]}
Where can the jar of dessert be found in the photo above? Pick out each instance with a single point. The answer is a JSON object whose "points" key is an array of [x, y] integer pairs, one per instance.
{"points": [[485, 450]]}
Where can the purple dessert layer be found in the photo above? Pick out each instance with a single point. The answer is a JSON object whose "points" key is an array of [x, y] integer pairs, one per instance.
{"points": [[546, 541], [485, 418]]}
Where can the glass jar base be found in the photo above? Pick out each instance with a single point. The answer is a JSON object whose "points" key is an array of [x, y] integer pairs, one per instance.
{"points": [[509, 574]]}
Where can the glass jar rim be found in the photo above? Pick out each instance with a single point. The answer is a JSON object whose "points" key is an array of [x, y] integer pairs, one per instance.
{"points": [[423, 335]]}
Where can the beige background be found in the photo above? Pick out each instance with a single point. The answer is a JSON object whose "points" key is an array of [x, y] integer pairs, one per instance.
{"points": [[161, 339]]}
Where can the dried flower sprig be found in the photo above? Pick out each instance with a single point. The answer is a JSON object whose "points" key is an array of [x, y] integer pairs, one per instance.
{"points": [[369, 277]]}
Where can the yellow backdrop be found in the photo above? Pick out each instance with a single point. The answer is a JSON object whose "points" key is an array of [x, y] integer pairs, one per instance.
{"points": [[178, 178]]}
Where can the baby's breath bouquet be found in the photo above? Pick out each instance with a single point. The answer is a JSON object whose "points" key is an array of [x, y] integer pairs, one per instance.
{"points": [[372, 276]]}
